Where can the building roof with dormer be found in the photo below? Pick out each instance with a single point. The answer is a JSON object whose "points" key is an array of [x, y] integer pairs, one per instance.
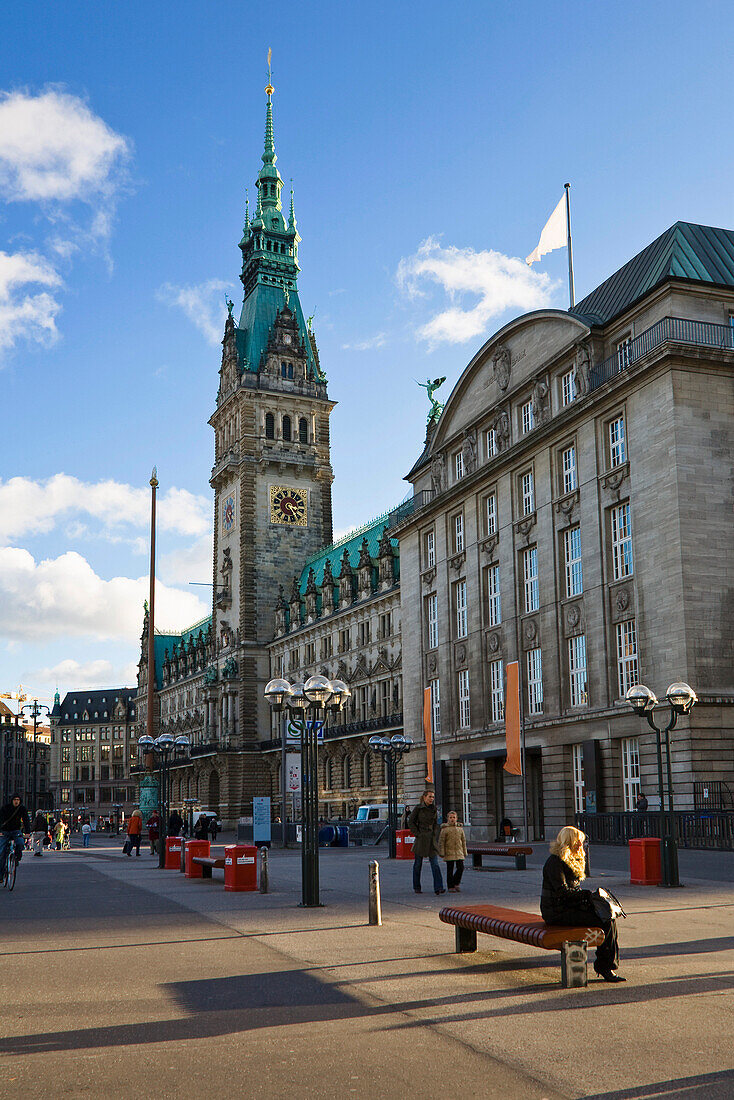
{"points": [[101, 705]]}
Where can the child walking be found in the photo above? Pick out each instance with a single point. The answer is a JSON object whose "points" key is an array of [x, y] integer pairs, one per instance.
{"points": [[452, 848]]}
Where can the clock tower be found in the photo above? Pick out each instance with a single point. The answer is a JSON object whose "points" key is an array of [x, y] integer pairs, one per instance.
{"points": [[272, 472]]}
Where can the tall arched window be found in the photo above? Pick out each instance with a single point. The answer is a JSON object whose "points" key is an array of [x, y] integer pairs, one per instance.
{"points": [[329, 776], [366, 771], [347, 772], [269, 426], [303, 430], [287, 429]]}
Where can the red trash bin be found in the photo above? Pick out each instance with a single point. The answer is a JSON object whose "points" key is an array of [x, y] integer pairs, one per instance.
{"points": [[195, 848], [404, 840], [173, 853], [645, 861], [240, 867]]}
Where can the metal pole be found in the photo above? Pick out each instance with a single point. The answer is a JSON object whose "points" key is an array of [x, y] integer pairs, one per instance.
{"points": [[666, 871], [375, 908], [283, 777], [522, 747], [672, 853], [35, 730], [304, 797], [571, 296]]}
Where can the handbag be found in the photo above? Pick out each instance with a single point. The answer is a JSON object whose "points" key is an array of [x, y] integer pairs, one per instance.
{"points": [[606, 905], [127, 847]]}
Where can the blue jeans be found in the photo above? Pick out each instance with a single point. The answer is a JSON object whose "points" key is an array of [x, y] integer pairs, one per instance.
{"points": [[85, 840], [435, 867], [5, 839]]}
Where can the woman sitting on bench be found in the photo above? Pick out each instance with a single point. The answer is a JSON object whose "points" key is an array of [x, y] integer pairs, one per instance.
{"points": [[564, 902]]}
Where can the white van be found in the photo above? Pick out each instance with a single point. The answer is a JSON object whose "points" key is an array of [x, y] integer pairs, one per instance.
{"points": [[376, 811]]}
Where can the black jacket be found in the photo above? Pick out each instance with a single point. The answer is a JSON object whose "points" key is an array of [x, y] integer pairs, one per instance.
{"points": [[12, 819], [40, 825], [561, 890], [422, 823], [175, 823]]}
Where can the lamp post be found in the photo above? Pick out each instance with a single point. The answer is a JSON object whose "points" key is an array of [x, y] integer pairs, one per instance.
{"points": [[681, 698], [164, 746], [35, 708], [117, 808], [391, 749], [305, 704]]}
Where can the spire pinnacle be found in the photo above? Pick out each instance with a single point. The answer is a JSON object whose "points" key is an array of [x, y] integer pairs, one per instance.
{"points": [[292, 216], [269, 152], [247, 210]]}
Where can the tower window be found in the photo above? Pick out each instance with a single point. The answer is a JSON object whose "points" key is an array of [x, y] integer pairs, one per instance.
{"points": [[303, 430], [269, 426], [287, 429], [286, 371]]}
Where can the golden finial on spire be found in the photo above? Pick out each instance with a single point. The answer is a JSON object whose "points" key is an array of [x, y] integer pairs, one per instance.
{"points": [[270, 89]]}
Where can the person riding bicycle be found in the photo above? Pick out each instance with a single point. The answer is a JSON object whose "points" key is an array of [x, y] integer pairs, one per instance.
{"points": [[14, 821]]}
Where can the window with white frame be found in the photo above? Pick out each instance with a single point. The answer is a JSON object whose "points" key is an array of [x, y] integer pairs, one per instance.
{"points": [[527, 419], [568, 387], [617, 444], [490, 514], [458, 533], [432, 620], [568, 469], [459, 465], [464, 708], [461, 619], [527, 492], [577, 670], [630, 771], [530, 578], [579, 787], [572, 561], [496, 691], [429, 546], [494, 607], [465, 793], [435, 707], [621, 527], [490, 443], [535, 681], [624, 352], [626, 656]]}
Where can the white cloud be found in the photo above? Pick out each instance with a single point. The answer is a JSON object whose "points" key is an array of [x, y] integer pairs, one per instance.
{"points": [[499, 282], [27, 505], [369, 344], [92, 674], [25, 311], [192, 563], [63, 597], [203, 304]]}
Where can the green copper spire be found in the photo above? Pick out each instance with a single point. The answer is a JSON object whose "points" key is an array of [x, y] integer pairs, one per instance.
{"points": [[292, 217], [269, 183]]}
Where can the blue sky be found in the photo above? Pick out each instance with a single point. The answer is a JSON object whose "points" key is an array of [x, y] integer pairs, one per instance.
{"points": [[427, 144]]}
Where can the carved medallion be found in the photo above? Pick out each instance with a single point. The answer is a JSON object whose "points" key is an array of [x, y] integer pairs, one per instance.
{"points": [[530, 630], [493, 642]]}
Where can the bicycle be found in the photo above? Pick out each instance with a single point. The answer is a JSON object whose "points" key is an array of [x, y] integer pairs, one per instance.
{"points": [[11, 867]]}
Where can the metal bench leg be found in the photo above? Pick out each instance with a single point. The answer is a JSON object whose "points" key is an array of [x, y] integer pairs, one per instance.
{"points": [[520, 863], [573, 965], [466, 940], [206, 872], [476, 859]]}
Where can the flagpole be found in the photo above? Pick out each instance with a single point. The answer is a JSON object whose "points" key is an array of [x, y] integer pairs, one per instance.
{"points": [[571, 296]]}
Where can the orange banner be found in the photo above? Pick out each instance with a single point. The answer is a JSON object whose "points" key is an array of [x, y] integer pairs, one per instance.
{"points": [[513, 763], [428, 733]]}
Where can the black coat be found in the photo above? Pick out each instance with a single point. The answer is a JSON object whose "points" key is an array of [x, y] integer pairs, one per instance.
{"points": [[175, 824], [562, 895], [422, 824], [40, 825], [13, 818]]}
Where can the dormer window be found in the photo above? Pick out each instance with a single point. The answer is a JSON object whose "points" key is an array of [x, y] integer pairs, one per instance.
{"points": [[286, 371]]}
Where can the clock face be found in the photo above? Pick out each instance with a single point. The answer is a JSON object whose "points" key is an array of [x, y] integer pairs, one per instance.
{"points": [[288, 506], [228, 511], [286, 338]]}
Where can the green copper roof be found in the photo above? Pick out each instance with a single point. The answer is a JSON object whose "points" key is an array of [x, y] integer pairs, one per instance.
{"points": [[163, 642], [259, 311], [700, 253], [352, 543]]}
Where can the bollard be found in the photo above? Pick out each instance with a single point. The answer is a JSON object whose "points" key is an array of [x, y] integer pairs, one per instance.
{"points": [[573, 965], [375, 907], [264, 883], [183, 856]]}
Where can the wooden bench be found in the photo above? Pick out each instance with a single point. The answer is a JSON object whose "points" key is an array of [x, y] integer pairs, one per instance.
{"points": [[518, 852], [207, 865], [530, 928]]}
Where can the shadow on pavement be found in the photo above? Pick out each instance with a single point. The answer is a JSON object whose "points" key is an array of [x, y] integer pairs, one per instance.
{"points": [[704, 1086]]}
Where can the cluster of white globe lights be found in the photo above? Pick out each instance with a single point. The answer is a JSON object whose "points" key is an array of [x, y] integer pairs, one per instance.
{"points": [[680, 696]]}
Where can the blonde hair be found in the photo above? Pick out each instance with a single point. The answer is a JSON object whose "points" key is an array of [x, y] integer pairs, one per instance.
{"points": [[564, 847]]}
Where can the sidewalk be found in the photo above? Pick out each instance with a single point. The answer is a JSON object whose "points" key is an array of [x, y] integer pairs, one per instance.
{"points": [[191, 991]]}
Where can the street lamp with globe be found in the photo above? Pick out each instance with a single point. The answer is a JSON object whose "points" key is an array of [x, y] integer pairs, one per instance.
{"points": [[391, 749]]}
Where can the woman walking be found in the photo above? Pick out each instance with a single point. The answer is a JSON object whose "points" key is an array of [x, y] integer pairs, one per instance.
{"points": [[423, 824], [134, 832], [562, 900], [452, 848]]}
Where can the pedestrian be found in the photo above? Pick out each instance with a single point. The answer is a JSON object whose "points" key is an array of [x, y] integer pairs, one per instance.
{"points": [[153, 825], [562, 900], [201, 828], [452, 848], [86, 831], [175, 824], [40, 828], [641, 803], [14, 822], [406, 817], [423, 824], [134, 832], [59, 833], [213, 827]]}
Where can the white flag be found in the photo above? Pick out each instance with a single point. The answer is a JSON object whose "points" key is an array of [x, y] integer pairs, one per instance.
{"points": [[554, 233]]}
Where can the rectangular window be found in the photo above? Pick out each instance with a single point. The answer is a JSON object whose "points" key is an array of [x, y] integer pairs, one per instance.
{"points": [[494, 607], [435, 707], [310, 653], [626, 656], [432, 620], [528, 493], [577, 670], [630, 771], [572, 561], [386, 625], [465, 793], [66, 774], [490, 514], [344, 641], [624, 353], [621, 524], [579, 790], [530, 578], [363, 632], [461, 619], [66, 754], [568, 387], [527, 420], [490, 443], [384, 697], [496, 691], [464, 708], [326, 646], [459, 465], [535, 681], [568, 469], [65, 794], [458, 533], [430, 549], [617, 444], [117, 752]]}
